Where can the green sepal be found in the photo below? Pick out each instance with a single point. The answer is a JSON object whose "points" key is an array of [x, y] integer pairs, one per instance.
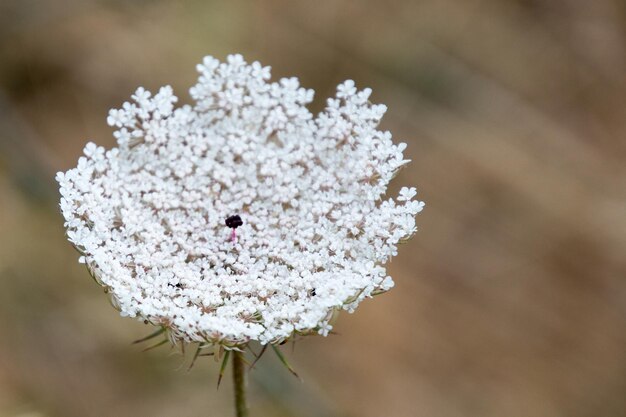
{"points": [[223, 368], [195, 356], [162, 342], [150, 336], [258, 356], [284, 361]]}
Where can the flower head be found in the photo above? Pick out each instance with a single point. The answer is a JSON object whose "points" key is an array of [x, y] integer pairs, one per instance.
{"points": [[154, 217]]}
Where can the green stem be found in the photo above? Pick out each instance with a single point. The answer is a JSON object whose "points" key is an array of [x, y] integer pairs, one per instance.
{"points": [[239, 378]]}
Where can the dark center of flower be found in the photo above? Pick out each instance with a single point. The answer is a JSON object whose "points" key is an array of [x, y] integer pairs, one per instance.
{"points": [[234, 221]]}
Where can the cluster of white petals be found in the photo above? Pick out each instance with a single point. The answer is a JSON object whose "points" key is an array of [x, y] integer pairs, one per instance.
{"points": [[149, 215]]}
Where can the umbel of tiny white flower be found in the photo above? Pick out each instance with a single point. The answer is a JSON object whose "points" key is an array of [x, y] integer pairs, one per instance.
{"points": [[314, 229]]}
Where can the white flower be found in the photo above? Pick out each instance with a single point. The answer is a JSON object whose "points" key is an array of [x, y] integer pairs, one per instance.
{"points": [[149, 216], [324, 329], [407, 194], [347, 89]]}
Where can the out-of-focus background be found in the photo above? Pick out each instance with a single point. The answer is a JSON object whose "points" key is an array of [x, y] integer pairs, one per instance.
{"points": [[510, 300]]}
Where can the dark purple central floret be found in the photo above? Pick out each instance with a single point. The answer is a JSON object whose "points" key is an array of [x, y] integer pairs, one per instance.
{"points": [[234, 221]]}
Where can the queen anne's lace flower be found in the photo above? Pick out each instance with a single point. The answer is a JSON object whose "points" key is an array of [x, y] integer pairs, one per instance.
{"points": [[148, 216]]}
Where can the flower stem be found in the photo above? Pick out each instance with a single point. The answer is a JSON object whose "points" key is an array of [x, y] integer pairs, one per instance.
{"points": [[239, 378]]}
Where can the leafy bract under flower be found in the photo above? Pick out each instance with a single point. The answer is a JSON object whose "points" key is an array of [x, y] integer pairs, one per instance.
{"points": [[148, 216]]}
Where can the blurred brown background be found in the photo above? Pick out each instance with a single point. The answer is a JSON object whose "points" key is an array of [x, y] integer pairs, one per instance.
{"points": [[511, 299]]}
